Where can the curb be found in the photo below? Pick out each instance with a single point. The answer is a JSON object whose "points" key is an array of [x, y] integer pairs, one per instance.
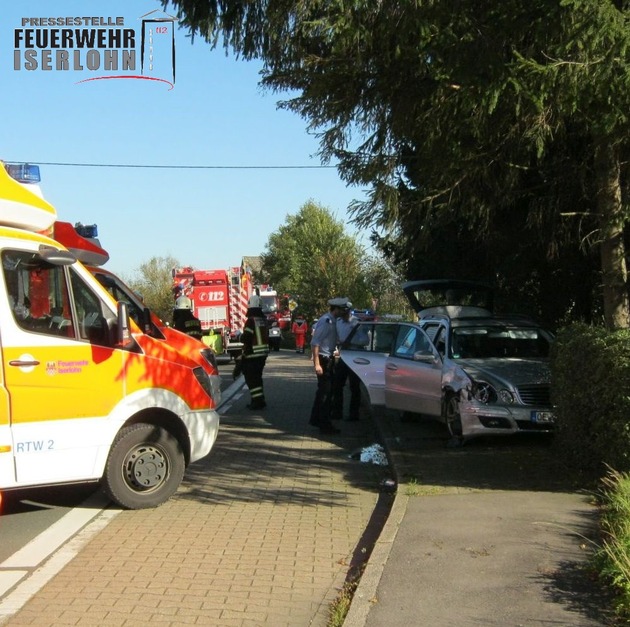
{"points": [[365, 595], [226, 395]]}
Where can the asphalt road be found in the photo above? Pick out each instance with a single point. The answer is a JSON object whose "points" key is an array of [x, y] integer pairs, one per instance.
{"points": [[27, 514]]}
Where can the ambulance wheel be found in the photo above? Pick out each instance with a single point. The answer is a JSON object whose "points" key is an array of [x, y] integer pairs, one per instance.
{"points": [[144, 468]]}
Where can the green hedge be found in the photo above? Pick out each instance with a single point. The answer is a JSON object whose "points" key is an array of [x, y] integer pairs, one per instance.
{"points": [[590, 373]]}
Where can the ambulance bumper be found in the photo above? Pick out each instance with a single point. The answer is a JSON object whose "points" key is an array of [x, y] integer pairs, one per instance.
{"points": [[203, 427]]}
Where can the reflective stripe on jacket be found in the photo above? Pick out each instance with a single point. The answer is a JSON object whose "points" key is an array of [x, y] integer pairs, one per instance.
{"points": [[255, 338]]}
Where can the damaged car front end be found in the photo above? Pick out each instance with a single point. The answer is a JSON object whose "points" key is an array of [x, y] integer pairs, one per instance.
{"points": [[496, 377], [497, 397]]}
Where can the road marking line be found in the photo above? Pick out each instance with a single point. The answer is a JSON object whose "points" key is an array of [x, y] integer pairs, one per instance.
{"points": [[55, 548], [9, 578], [40, 547]]}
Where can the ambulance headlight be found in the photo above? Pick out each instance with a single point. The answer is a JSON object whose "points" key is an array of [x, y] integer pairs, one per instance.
{"points": [[204, 380], [209, 355]]}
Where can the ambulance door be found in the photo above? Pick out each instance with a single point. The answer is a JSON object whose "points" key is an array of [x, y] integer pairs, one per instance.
{"points": [[62, 374], [7, 469]]}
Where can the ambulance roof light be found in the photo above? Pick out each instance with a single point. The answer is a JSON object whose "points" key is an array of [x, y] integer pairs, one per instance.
{"points": [[23, 172], [89, 231]]}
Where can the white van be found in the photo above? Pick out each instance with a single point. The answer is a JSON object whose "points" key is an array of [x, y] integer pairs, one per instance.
{"points": [[84, 395]]}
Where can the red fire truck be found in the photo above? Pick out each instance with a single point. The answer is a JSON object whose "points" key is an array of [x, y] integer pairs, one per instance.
{"points": [[219, 299]]}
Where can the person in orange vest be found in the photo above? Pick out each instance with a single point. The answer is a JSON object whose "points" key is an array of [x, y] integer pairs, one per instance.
{"points": [[299, 330]]}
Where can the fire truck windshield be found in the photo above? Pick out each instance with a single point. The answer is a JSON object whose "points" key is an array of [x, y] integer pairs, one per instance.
{"points": [[269, 304]]}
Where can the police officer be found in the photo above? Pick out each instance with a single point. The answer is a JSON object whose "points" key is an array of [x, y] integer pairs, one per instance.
{"points": [[323, 346], [255, 338], [184, 320], [343, 373]]}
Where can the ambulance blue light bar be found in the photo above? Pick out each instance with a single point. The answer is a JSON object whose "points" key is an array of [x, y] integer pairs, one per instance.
{"points": [[89, 231], [23, 172]]}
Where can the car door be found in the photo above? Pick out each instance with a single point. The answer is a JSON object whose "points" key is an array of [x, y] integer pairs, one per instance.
{"points": [[413, 373], [7, 467], [365, 352]]}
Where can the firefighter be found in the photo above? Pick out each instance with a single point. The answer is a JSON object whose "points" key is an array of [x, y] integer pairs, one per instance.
{"points": [[255, 338], [299, 330], [184, 320]]}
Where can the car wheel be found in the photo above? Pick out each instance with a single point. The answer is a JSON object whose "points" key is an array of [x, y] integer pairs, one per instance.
{"points": [[452, 416], [144, 468]]}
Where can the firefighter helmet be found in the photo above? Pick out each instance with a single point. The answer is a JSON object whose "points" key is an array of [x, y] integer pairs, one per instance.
{"points": [[183, 302]]}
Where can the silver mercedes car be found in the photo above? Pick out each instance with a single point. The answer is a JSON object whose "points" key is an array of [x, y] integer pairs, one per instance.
{"points": [[480, 373]]}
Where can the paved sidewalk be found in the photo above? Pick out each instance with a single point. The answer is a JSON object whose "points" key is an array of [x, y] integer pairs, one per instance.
{"points": [[264, 531], [488, 534]]}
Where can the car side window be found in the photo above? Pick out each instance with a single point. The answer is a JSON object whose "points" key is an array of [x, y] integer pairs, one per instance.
{"points": [[439, 341], [38, 294], [437, 335], [422, 343], [410, 340], [384, 338], [405, 342], [431, 330], [359, 339], [118, 294], [91, 321]]}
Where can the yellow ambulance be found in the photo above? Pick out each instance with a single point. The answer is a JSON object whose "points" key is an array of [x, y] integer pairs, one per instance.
{"points": [[84, 394], [92, 255]]}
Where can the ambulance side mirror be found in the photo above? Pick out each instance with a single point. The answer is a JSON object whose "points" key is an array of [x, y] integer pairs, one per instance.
{"points": [[123, 337], [146, 321]]}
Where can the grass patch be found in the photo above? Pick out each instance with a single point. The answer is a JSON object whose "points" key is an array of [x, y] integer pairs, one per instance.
{"points": [[413, 487], [612, 560], [341, 605]]}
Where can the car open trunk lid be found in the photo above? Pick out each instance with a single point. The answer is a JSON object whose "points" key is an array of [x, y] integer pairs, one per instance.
{"points": [[435, 294]]}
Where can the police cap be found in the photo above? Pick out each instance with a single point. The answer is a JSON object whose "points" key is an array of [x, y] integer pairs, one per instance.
{"points": [[342, 303]]}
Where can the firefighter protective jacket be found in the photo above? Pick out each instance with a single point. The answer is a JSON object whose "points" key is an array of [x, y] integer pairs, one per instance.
{"points": [[255, 335]]}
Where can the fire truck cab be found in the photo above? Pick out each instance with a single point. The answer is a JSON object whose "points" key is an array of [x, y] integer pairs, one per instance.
{"points": [[216, 301], [271, 307]]}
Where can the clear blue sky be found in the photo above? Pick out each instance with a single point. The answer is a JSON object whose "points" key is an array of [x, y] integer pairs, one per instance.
{"points": [[216, 115]]}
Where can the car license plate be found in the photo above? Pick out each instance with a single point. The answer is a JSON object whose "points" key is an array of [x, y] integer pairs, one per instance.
{"points": [[542, 416]]}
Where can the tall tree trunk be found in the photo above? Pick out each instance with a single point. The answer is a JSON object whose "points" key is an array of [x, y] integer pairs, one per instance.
{"points": [[611, 220]]}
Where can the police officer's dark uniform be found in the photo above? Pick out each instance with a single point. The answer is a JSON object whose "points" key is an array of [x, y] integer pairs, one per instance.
{"points": [[184, 320], [323, 345], [255, 338], [344, 373]]}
